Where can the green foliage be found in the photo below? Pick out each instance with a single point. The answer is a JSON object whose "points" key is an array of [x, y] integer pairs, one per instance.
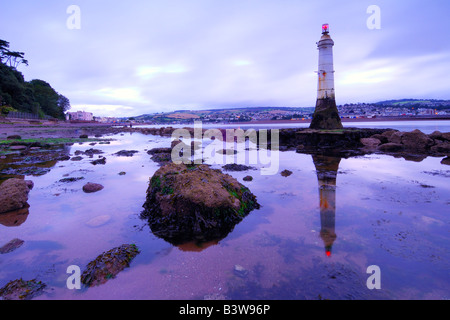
{"points": [[36, 96], [4, 110]]}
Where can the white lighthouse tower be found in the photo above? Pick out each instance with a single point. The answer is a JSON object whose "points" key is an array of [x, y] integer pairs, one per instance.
{"points": [[326, 114], [325, 88]]}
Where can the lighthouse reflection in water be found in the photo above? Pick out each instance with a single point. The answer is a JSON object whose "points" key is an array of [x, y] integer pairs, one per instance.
{"points": [[326, 169]]}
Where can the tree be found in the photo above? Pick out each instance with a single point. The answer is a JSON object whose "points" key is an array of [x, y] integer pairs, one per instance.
{"points": [[13, 58], [47, 98], [63, 103], [36, 96]]}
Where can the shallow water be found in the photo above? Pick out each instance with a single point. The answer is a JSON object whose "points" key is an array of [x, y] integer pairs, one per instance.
{"points": [[314, 236], [426, 126]]}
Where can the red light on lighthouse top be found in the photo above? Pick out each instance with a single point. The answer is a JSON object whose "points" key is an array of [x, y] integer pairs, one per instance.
{"points": [[325, 28]]}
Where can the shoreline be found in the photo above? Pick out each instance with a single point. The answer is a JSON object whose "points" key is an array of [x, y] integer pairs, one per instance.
{"points": [[379, 119], [65, 129]]}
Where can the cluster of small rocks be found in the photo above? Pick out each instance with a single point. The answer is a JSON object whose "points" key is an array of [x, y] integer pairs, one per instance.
{"points": [[415, 142]]}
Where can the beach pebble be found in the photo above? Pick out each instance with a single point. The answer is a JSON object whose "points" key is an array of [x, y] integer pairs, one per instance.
{"points": [[286, 173], [92, 187], [98, 221]]}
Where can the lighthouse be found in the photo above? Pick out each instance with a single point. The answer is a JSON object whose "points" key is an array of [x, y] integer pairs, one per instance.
{"points": [[326, 115]]}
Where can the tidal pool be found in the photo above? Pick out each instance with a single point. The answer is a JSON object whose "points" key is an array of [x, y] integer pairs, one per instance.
{"points": [[315, 235]]}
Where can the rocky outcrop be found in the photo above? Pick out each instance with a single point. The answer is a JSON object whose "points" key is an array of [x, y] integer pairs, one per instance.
{"points": [[195, 203], [13, 195], [20, 289], [414, 142], [108, 264], [319, 141]]}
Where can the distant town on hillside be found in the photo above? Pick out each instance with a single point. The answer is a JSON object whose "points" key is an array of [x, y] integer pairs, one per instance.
{"points": [[417, 108]]}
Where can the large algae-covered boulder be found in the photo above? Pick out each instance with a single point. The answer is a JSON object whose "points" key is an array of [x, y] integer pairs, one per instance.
{"points": [[13, 194], [195, 203]]}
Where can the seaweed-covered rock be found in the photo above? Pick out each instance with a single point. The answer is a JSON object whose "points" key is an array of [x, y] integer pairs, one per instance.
{"points": [[108, 264], [125, 153], [195, 203], [161, 155], [99, 161], [236, 167], [20, 289]]}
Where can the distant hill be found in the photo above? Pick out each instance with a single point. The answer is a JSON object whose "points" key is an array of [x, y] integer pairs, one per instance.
{"points": [[245, 114], [406, 102]]}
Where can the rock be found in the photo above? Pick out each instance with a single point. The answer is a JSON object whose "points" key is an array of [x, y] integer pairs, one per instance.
{"points": [[108, 264], [83, 136], [122, 173], [20, 289], [90, 152], [159, 150], [446, 161], [30, 184], [247, 178], [195, 203], [63, 158], [76, 158], [387, 134], [92, 187], [14, 137], [98, 221], [161, 155], [416, 140], [13, 195], [446, 136], [71, 179], [370, 142], [99, 161], [236, 167], [390, 147], [396, 137], [286, 173], [126, 153], [435, 135], [380, 137], [441, 147], [162, 158], [11, 246]]}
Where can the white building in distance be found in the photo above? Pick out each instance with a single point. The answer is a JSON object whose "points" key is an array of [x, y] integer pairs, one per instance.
{"points": [[80, 116]]}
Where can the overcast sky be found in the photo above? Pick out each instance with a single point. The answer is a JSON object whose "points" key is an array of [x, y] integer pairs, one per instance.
{"points": [[136, 57]]}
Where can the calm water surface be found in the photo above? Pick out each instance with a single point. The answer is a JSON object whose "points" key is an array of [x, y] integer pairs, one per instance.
{"points": [[315, 235]]}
